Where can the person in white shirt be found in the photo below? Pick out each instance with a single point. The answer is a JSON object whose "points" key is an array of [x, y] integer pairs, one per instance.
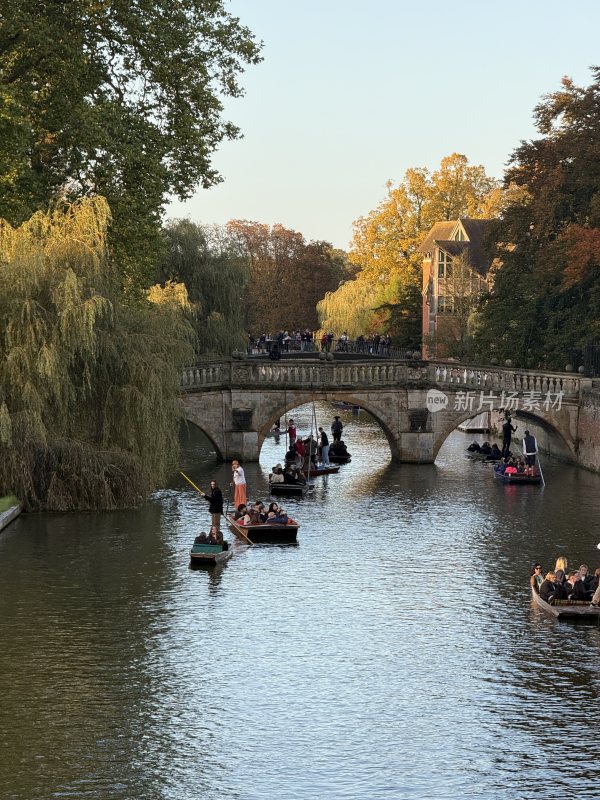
{"points": [[239, 482]]}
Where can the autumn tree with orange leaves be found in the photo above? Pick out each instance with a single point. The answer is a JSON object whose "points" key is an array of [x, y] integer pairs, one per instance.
{"points": [[385, 295], [545, 304]]}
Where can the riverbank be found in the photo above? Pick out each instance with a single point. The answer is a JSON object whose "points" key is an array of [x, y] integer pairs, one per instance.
{"points": [[10, 508]]}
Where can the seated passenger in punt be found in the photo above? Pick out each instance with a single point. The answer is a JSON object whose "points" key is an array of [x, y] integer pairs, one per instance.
{"points": [[536, 578], [215, 536], [273, 509], [240, 511], [276, 475], [551, 589], [473, 447], [576, 588], [290, 476], [290, 456], [339, 450], [485, 449], [300, 451], [202, 538], [494, 453], [258, 513], [279, 518], [560, 569]]}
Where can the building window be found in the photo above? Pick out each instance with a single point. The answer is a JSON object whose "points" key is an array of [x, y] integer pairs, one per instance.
{"points": [[444, 261], [459, 236], [445, 305]]}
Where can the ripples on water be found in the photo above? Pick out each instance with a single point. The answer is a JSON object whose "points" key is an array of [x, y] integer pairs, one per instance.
{"points": [[393, 654]]}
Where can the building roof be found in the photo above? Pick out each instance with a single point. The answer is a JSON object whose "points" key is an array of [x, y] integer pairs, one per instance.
{"points": [[475, 229], [441, 230]]}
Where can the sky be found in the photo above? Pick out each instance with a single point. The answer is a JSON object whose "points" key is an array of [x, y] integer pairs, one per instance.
{"points": [[352, 94]]}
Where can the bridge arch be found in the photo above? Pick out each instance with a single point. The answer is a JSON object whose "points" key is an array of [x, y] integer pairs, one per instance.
{"points": [[543, 427], [305, 398]]}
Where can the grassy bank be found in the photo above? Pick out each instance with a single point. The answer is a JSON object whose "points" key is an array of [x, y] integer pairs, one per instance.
{"points": [[8, 502]]}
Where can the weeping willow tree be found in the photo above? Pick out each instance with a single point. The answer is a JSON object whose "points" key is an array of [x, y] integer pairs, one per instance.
{"points": [[88, 383], [208, 262], [347, 309]]}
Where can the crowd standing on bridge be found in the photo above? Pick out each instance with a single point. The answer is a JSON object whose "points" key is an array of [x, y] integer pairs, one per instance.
{"points": [[307, 341]]}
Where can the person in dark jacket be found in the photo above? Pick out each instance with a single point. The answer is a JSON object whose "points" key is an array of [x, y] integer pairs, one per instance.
{"points": [[336, 429], [215, 503], [551, 590], [507, 432]]}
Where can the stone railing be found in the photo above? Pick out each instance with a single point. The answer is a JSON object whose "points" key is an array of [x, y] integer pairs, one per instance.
{"points": [[508, 379], [302, 374], [361, 375]]}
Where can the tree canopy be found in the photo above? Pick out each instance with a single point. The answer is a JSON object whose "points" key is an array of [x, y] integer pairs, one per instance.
{"points": [[118, 98], [546, 296], [207, 261], [88, 384], [387, 288], [287, 275]]}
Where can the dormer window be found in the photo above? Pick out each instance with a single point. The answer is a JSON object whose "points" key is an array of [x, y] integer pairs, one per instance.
{"points": [[459, 236]]}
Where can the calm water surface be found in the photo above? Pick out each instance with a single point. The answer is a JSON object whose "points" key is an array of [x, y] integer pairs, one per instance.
{"points": [[394, 653]]}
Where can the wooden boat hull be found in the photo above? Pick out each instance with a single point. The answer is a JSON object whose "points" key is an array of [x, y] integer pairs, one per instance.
{"points": [[340, 459], [288, 489], [265, 532], [345, 406], [332, 469], [519, 479], [208, 555], [564, 609]]}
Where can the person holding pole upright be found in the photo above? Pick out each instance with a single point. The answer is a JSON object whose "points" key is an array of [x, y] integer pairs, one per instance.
{"points": [[215, 503], [530, 452], [239, 482]]}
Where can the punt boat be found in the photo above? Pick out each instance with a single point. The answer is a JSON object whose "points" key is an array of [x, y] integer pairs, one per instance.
{"points": [[265, 531], [569, 609], [288, 489], [205, 554], [314, 472], [518, 478], [340, 459]]}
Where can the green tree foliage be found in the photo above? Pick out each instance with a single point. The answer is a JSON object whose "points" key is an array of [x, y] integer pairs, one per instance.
{"points": [[88, 385], [215, 273], [385, 248], [546, 296], [287, 275], [115, 98]]}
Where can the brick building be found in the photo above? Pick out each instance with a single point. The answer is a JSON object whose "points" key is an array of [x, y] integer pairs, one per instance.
{"points": [[455, 270]]}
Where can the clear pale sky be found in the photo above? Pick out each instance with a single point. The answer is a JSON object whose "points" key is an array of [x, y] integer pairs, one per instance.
{"points": [[351, 94]]}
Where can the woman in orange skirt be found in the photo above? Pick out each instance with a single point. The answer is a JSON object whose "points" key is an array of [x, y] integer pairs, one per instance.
{"points": [[239, 482]]}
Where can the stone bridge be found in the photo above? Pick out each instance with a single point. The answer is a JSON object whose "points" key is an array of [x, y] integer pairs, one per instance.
{"points": [[418, 404]]}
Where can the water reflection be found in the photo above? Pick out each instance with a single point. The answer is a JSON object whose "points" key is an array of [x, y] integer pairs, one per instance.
{"points": [[393, 654]]}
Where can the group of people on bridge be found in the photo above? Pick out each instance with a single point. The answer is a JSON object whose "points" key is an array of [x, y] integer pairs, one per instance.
{"points": [[307, 341]]}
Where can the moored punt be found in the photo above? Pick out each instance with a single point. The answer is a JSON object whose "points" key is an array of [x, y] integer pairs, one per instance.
{"points": [[289, 489], [206, 554], [569, 609], [518, 478], [265, 531]]}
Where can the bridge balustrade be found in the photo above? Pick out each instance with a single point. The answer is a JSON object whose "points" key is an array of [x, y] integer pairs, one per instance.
{"points": [[365, 374]]}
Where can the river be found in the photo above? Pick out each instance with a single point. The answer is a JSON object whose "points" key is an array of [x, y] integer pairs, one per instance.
{"points": [[394, 653]]}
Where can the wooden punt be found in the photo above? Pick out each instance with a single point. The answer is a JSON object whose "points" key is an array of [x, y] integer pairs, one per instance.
{"points": [[314, 472], [345, 406], [288, 489], [265, 532], [518, 479], [482, 457], [340, 459], [569, 609], [205, 554]]}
